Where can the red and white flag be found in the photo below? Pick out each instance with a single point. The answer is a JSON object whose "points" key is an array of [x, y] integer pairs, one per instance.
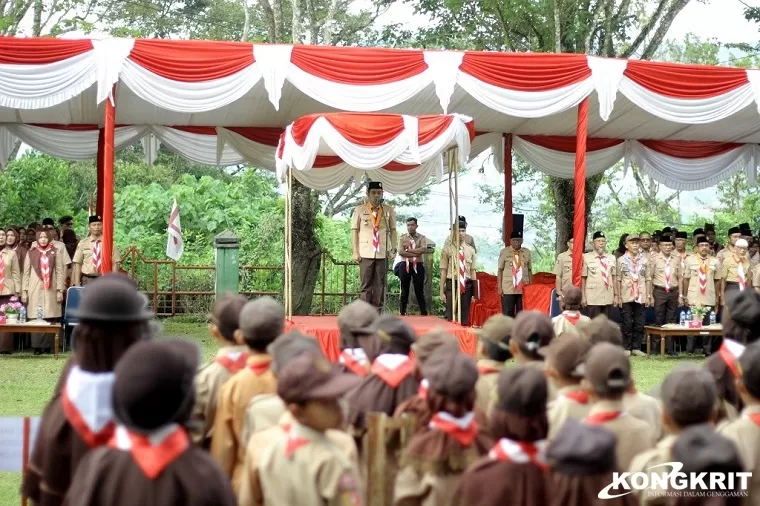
{"points": [[174, 245]]}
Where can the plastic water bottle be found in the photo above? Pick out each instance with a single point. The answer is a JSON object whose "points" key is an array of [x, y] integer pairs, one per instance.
{"points": [[22, 315], [682, 320], [40, 313], [689, 316], [712, 317]]}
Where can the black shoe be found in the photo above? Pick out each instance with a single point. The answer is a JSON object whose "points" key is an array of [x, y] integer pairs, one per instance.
{"points": [[38, 351]]}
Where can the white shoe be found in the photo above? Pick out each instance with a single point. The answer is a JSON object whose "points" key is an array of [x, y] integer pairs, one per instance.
{"points": [[627, 353]]}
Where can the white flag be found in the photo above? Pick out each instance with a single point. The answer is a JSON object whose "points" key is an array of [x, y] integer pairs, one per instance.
{"points": [[174, 245]]}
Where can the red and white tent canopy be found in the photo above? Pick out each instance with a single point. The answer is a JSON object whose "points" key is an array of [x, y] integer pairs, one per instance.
{"points": [[402, 152], [178, 84]]}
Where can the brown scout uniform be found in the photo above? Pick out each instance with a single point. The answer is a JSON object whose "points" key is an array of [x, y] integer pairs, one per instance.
{"points": [[450, 261], [496, 330], [563, 269], [660, 454], [656, 271], [597, 292], [565, 323], [646, 408], [566, 356], [208, 383], [507, 258], [468, 239], [12, 274], [745, 433], [83, 256], [60, 248], [373, 264], [33, 284], [730, 269], [694, 265]]}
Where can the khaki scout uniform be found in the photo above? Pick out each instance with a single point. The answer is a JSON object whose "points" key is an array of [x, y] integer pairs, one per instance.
{"points": [[511, 299], [208, 384], [563, 269], [83, 257], [632, 297], [60, 249], [665, 302], [597, 293], [36, 294], [304, 467], [450, 261], [565, 407], [415, 274], [426, 489], [660, 454], [12, 273], [486, 385], [730, 270], [263, 413], [712, 268], [634, 436], [468, 239], [563, 323], [227, 446], [646, 408], [756, 277], [745, 433], [725, 253], [373, 264]]}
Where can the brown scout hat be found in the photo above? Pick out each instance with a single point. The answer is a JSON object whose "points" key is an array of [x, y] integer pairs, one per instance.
{"points": [[702, 450], [582, 450], [567, 355], [522, 391], [633, 237], [572, 296], [430, 342], [262, 318], [154, 384], [310, 377], [290, 345], [688, 395], [226, 314], [532, 330], [601, 330], [749, 365], [451, 373], [393, 331], [357, 315], [608, 369], [497, 330]]}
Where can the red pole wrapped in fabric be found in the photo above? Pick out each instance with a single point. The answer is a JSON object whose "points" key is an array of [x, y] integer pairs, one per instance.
{"points": [[99, 169], [507, 187], [579, 189], [108, 159]]}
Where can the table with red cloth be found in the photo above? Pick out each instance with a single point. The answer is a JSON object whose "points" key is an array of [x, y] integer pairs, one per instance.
{"points": [[536, 296]]}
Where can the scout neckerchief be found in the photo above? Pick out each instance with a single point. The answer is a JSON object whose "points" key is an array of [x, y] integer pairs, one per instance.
{"points": [[233, 362], [634, 269], [422, 391], [153, 453], [755, 417], [96, 256], [355, 360], [605, 270], [464, 429], [603, 417], [413, 260], [392, 368], [667, 273], [377, 216], [579, 396], [730, 352], [521, 452], [2, 271], [703, 263], [571, 316], [261, 366], [462, 270], [484, 369], [45, 266], [86, 403], [740, 274], [517, 274]]}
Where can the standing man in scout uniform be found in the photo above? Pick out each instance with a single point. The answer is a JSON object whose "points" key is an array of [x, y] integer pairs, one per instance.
{"points": [[664, 290], [734, 234], [458, 267], [412, 268], [631, 285], [88, 259], [374, 236], [736, 270], [715, 246], [468, 239], [701, 284], [682, 241], [598, 287], [563, 270], [514, 272], [645, 244]]}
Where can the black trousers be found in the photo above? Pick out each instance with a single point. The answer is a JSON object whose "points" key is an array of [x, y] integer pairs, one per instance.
{"points": [[464, 302], [417, 279], [594, 311], [705, 341], [632, 315], [665, 311], [372, 274], [511, 304]]}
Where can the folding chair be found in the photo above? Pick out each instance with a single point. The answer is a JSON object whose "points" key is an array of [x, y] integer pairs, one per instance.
{"points": [[73, 297], [554, 305]]}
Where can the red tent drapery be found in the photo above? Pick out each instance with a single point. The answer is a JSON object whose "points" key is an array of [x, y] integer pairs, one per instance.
{"points": [[507, 188], [579, 189], [108, 158]]}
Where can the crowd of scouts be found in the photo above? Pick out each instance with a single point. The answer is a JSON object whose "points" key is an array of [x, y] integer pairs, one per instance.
{"points": [[38, 263], [540, 419], [667, 271]]}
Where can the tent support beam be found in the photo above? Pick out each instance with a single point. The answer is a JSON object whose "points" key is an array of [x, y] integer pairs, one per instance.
{"points": [[109, 127], [508, 211], [99, 171], [579, 192]]}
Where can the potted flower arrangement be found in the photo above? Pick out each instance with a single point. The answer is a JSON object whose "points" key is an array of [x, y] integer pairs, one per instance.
{"points": [[698, 314], [11, 310]]}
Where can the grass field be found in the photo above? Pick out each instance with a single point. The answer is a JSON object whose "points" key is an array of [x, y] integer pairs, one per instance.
{"points": [[27, 381]]}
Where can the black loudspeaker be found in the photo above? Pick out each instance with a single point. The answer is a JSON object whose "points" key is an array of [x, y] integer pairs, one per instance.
{"points": [[518, 222]]}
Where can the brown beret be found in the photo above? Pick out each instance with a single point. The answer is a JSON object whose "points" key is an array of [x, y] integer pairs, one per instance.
{"points": [[311, 376], [357, 315], [262, 318], [567, 355], [581, 450], [608, 369], [532, 330], [523, 391], [451, 373], [428, 343], [688, 395], [497, 329]]}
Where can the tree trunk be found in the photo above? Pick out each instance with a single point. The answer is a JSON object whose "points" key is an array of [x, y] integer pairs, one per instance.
{"points": [[564, 199], [307, 252], [37, 18]]}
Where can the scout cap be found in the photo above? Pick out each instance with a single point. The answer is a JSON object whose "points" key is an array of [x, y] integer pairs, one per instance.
{"points": [[582, 450], [608, 369], [734, 230], [701, 239], [567, 355], [113, 297], [682, 235], [451, 373], [290, 345], [392, 331], [155, 384], [688, 395], [427, 344], [703, 450], [749, 365], [497, 330], [516, 234], [698, 231], [572, 296], [598, 235], [356, 315], [95, 219], [374, 185], [532, 330], [262, 319], [601, 330], [632, 237], [522, 391], [709, 227], [226, 314], [312, 377]]}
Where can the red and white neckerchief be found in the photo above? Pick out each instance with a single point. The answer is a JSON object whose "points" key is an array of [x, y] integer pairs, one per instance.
{"points": [[462, 271], [355, 360], [484, 369], [703, 273], [603, 417], [412, 261], [422, 391], [755, 417], [86, 400], [155, 452], [260, 366], [521, 452], [579, 396], [2, 271], [634, 269], [233, 361], [377, 216], [741, 276], [45, 266], [605, 270], [572, 316], [667, 274], [392, 368], [97, 260], [294, 441], [517, 274], [730, 352], [464, 429]]}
